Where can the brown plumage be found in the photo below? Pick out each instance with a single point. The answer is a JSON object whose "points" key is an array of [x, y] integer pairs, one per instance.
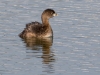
{"points": [[36, 29]]}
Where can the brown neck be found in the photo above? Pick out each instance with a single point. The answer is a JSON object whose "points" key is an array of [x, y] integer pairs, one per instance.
{"points": [[45, 20]]}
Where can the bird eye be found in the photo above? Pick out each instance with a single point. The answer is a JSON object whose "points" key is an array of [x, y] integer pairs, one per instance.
{"points": [[51, 12]]}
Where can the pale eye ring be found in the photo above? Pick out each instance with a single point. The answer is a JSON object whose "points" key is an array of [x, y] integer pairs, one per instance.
{"points": [[51, 13]]}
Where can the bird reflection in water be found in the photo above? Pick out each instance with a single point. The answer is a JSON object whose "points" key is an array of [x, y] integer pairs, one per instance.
{"points": [[44, 44]]}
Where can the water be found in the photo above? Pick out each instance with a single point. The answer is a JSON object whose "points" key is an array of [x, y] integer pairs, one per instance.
{"points": [[76, 44]]}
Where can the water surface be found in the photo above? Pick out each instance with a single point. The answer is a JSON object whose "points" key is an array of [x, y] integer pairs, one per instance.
{"points": [[74, 50]]}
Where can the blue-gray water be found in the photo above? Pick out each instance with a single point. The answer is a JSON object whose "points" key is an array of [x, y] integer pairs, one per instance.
{"points": [[76, 43]]}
